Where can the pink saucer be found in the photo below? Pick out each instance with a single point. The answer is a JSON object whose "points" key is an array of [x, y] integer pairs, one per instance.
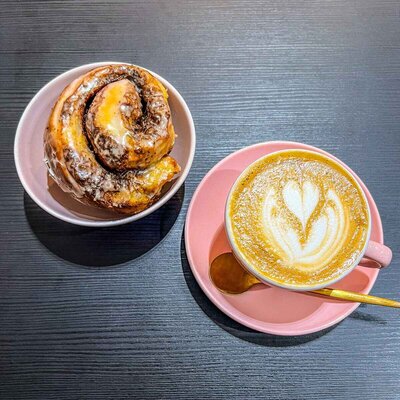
{"points": [[265, 309]]}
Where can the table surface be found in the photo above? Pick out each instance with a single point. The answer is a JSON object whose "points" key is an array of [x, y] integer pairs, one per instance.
{"points": [[116, 313]]}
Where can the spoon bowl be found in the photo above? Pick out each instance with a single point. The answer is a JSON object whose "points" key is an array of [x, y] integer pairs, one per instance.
{"points": [[229, 276]]}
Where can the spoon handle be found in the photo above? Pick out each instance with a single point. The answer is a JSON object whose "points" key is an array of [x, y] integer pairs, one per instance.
{"points": [[357, 297]]}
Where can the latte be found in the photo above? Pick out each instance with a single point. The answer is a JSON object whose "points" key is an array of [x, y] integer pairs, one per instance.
{"points": [[298, 218]]}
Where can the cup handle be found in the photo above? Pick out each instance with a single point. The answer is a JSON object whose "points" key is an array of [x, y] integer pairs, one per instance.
{"points": [[379, 253]]}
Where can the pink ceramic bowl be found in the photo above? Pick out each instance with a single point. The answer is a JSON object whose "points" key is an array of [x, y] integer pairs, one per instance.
{"points": [[28, 155]]}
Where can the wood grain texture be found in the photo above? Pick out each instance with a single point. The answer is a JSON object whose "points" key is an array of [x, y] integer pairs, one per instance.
{"points": [[323, 72]]}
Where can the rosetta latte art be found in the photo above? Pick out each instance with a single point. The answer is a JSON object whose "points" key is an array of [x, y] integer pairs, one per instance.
{"points": [[318, 240], [298, 218]]}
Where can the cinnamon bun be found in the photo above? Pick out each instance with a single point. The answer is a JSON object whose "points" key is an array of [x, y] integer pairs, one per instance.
{"points": [[109, 136]]}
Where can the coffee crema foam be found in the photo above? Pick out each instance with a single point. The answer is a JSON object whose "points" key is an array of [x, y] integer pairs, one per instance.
{"points": [[298, 218]]}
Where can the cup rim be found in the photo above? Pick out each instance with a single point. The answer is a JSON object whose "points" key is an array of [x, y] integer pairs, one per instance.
{"points": [[253, 270], [123, 220]]}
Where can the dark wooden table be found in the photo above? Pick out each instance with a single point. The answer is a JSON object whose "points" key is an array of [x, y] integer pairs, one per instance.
{"points": [[116, 313]]}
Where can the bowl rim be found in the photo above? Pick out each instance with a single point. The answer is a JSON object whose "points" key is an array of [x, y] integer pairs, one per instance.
{"points": [[103, 223]]}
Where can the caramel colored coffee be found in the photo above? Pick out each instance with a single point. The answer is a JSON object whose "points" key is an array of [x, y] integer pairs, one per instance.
{"points": [[298, 218]]}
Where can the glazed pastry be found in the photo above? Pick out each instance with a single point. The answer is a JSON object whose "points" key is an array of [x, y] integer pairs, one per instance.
{"points": [[109, 136]]}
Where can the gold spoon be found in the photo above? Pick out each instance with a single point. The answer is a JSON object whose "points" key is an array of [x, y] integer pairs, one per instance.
{"points": [[230, 277]]}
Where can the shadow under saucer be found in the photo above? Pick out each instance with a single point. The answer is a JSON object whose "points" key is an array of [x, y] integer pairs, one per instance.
{"points": [[233, 327], [103, 246]]}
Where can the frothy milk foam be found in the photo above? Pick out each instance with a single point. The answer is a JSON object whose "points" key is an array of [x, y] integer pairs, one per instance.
{"points": [[298, 218]]}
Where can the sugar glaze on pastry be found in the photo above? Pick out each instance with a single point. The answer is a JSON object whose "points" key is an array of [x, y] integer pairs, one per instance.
{"points": [[109, 136]]}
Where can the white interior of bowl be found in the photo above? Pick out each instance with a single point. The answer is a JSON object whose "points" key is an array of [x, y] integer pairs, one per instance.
{"points": [[29, 155]]}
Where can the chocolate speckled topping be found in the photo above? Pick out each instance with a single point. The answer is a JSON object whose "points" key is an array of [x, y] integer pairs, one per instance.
{"points": [[108, 138]]}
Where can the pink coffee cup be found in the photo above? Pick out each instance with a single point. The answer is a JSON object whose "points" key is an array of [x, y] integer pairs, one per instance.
{"points": [[373, 254]]}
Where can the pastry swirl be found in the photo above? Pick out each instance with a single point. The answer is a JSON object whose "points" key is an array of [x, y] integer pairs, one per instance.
{"points": [[108, 139]]}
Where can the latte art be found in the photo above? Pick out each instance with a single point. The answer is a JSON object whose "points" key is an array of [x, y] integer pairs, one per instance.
{"points": [[312, 245], [298, 218]]}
